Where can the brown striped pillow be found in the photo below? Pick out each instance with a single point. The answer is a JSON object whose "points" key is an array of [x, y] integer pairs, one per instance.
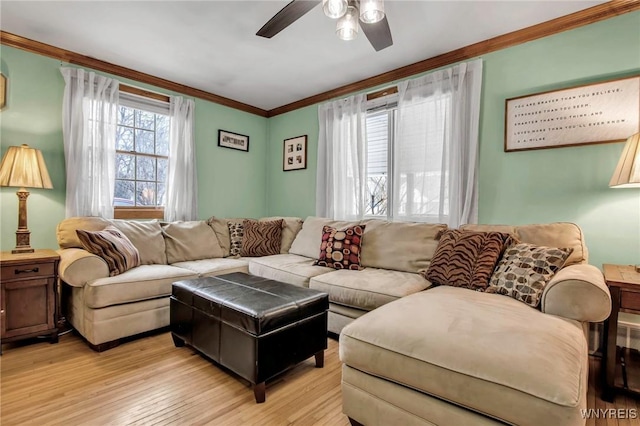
{"points": [[467, 259], [111, 245], [261, 238]]}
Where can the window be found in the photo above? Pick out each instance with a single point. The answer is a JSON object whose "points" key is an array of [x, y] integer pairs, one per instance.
{"points": [[404, 177], [379, 138], [142, 159]]}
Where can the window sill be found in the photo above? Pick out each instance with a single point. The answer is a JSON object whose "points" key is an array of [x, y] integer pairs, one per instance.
{"points": [[138, 213]]}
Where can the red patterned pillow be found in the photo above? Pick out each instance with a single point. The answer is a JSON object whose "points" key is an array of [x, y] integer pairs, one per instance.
{"points": [[466, 258], [341, 249]]}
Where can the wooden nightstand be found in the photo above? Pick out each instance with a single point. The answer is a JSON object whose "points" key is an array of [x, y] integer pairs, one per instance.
{"points": [[28, 295], [624, 284]]}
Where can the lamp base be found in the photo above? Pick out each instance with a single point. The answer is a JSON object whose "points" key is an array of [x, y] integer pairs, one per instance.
{"points": [[22, 250], [23, 240]]}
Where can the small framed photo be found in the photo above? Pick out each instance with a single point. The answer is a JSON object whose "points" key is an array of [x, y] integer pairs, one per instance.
{"points": [[295, 153], [233, 140]]}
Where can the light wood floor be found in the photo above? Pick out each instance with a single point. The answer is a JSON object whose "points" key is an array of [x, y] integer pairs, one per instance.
{"points": [[149, 381]]}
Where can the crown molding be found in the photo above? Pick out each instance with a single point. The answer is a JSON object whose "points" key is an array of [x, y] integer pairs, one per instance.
{"points": [[584, 17], [74, 58], [544, 29]]}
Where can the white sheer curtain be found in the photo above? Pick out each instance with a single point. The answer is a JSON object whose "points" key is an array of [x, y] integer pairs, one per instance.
{"points": [[436, 149], [341, 171], [89, 118], [182, 181]]}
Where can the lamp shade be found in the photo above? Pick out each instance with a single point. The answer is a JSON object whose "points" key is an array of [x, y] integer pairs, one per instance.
{"points": [[24, 167], [627, 173]]}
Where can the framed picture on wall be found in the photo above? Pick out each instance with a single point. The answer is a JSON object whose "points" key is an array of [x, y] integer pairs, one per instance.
{"points": [[233, 140], [602, 112], [295, 153]]}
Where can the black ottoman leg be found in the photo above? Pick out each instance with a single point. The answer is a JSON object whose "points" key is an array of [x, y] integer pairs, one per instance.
{"points": [[259, 392], [177, 341], [319, 359]]}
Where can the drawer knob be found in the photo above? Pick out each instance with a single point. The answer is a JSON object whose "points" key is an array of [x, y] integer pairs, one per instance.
{"points": [[26, 271]]}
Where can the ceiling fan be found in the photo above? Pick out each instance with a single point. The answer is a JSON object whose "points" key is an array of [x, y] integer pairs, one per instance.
{"points": [[368, 14]]}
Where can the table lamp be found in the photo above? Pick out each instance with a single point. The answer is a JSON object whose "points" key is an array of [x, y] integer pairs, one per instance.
{"points": [[627, 173], [23, 167]]}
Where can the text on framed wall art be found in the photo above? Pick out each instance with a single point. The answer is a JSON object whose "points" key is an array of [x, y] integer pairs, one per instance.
{"points": [[593, 113]]}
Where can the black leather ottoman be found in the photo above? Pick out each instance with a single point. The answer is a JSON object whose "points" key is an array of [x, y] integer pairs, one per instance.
{"points": [[253, 326]]}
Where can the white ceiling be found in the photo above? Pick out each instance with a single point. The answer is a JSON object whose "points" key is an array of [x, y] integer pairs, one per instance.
{"points": [[212, 46]]}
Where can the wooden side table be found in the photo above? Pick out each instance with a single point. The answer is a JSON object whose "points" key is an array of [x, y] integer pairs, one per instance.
{"points": [[624, 284], [28, 295]]}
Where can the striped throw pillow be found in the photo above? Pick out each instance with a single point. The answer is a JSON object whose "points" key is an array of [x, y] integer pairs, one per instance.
{"points": [[467, 259], [261, 238], [113, 246]]}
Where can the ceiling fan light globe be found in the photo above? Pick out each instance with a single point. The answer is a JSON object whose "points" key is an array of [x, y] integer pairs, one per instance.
{"points": [[347, 27], [371, 11], [335, 9]]}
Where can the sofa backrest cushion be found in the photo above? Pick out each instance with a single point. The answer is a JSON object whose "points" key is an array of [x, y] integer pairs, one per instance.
{"points": [[220, 227], [147, 237], [292, 225], [66, 230], [399, 246], [558, 234], [307, 242], [192, 240]]}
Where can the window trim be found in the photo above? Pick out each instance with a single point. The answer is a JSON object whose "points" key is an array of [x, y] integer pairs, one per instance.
{"points": [[126, 212]]}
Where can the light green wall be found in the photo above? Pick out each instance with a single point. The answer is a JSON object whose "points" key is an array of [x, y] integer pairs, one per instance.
{"points": [[563, 184], [231, 182], [292, 193]]}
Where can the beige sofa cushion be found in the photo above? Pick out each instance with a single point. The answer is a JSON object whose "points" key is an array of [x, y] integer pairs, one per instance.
{"points": [[147, 237], [558, 234], [190, 240], [213, 267], [221, 228], [482, 351], [141, 283], [292, 225], [399, 246], [288, 268], [307, 242], [369, 288], [66, 230]]}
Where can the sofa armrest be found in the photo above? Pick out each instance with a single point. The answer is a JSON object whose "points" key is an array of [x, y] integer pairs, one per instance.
{"points": [[78, 266], [578, 292]]}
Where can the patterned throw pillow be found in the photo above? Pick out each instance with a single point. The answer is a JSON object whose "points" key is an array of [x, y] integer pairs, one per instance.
{"points": [[236, 232], [261, 238], [111, 245], [524, 271], [340, 249], [466, 259]]}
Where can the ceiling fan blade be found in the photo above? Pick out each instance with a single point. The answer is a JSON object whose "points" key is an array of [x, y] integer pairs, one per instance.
{"points": [[287, 16], [379, 34]]}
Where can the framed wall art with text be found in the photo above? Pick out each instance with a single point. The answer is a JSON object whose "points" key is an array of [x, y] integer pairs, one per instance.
{"points": [[602, 112]]}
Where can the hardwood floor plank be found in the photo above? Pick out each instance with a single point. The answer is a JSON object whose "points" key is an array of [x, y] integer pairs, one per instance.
{"points": [[151, 382]]}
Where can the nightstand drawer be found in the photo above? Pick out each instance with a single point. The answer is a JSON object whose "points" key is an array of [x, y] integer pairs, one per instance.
{"points": [[630, 300], [19, 272]]}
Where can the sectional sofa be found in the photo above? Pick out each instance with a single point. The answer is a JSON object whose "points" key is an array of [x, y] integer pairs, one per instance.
{"points": [[442, 356]]}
